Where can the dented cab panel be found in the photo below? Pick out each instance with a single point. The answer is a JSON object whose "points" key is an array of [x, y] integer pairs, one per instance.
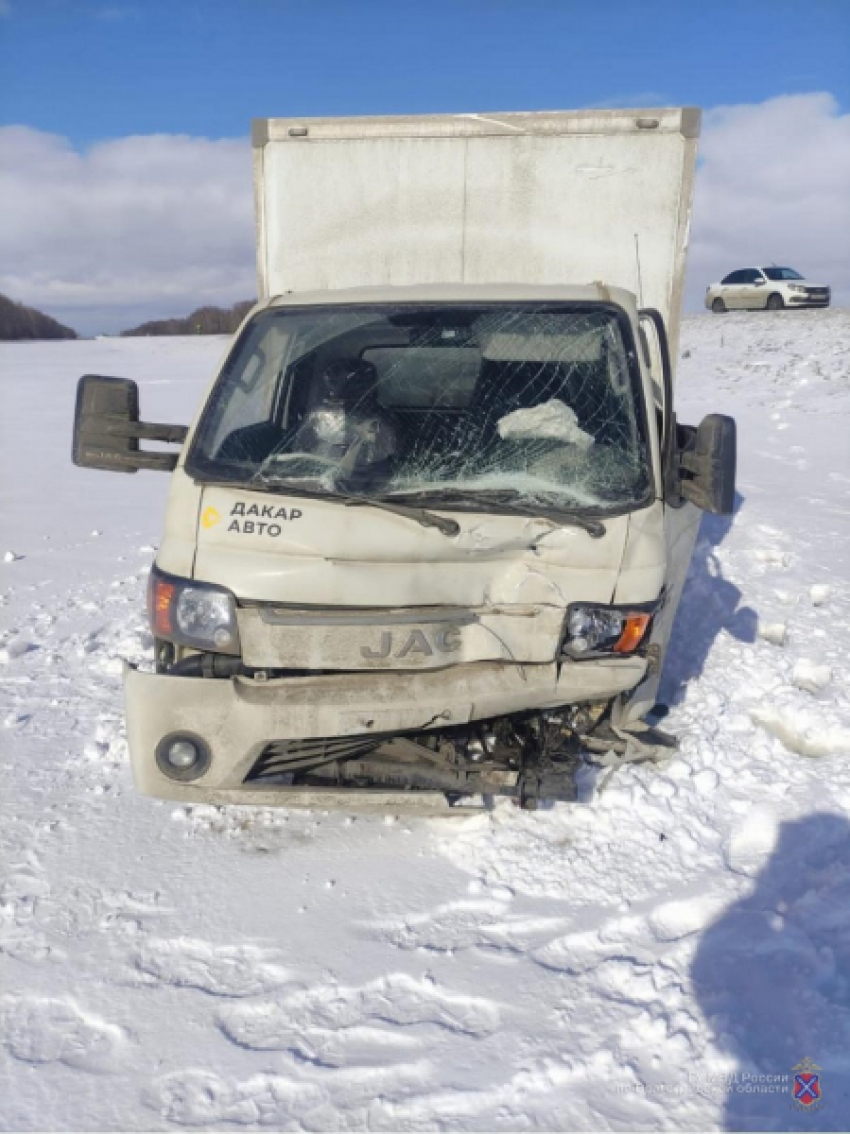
{"points": [[332, 555]]}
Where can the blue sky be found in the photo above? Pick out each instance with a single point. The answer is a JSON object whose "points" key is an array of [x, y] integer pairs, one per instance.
{"points": [[125, 170], [94, 69]]}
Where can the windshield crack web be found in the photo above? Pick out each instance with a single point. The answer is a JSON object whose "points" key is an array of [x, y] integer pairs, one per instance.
{"points": [[502, 403]]}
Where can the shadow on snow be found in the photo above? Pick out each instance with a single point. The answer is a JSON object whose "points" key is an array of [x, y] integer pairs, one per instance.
{"points": [[710, 603], [772, 977]]}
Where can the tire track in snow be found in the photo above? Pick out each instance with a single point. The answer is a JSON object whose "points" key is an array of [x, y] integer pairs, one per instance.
{"points": [[473, 924], [333, 1024], [197, 1097], [46, 1030], [228, 970]]}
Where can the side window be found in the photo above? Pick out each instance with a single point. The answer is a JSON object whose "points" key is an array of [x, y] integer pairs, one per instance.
{"points": [[662, 391], [750, 276], [648, 335], [731, 278], [254, 385]]}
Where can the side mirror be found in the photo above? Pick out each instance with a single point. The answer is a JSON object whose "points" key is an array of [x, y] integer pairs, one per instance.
{"points": [[107, 429], [760, 282], [707, 464]]}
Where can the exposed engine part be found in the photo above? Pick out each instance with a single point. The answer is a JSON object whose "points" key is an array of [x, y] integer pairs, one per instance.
{"points": [[583, 719], [475, 749], [527, 757]]}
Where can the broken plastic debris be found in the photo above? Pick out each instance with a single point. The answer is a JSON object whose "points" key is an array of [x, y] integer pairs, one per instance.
{"points": [[553, 420]]}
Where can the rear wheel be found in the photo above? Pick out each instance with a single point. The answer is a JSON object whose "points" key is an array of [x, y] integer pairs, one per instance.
{"points": [[775, 302], [718, 307]]}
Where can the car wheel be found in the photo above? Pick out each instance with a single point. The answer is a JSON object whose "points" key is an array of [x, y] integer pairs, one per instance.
{"points": [[775, 302], [718, 307]]}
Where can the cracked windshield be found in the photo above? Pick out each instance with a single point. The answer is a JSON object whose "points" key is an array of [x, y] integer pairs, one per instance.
{"points": [[479, 406]]}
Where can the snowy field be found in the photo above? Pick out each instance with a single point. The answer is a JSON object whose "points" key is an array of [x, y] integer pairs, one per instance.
{"points": [[643, 961]]}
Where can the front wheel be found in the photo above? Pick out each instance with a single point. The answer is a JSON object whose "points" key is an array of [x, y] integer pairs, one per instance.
{"points": [[775, 302], [718, 307]]}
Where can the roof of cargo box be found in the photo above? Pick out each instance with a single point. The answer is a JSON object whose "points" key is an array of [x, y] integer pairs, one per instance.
{"points": [[675, 119], [459, 293], [558, 198]]}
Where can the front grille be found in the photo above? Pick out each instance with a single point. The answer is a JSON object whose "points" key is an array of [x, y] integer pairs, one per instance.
{"points": [[280, 757], [818, 292]]}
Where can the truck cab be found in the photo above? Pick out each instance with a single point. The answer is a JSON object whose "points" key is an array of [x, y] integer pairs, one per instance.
{"points": [[428, 531]]}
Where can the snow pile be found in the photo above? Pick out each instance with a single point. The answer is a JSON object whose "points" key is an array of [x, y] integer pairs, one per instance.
{"points": [[661, 958]]}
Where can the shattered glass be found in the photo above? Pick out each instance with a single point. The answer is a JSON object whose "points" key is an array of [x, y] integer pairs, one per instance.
{"points": [[532, 403]]}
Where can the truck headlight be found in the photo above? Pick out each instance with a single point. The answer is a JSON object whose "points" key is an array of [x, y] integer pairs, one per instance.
{"points": [[593, 631], [192, 614]]}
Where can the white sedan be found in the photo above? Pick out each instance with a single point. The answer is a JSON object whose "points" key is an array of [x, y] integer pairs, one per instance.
{"points": [[773, 288]]}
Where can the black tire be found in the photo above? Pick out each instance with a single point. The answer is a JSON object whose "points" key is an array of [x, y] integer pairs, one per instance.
{"points": [[718, 306], [775, 302]]}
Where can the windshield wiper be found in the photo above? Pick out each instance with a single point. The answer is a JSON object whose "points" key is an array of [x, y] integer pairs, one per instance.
{"points": [[421, 515], [519, 503]]}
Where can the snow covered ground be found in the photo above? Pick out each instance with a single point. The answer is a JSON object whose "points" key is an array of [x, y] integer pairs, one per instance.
{"points": [[640, 962]]}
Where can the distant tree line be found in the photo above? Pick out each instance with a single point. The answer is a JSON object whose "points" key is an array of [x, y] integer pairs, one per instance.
{"points": [[20, 322], [204, 321]]}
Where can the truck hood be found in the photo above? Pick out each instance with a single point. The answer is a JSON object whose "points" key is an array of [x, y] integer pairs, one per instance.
{"points": [[322, 585], [289, 549]]}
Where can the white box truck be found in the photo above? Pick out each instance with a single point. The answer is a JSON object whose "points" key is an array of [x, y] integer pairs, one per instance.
{"points": [[428, 531]]}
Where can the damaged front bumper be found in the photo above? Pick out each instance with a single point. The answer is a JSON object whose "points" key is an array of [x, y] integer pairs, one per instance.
{"points": [[238, 718]]}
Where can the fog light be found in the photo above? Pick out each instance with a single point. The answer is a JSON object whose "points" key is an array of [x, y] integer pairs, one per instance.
{"points": [[183, 756]]}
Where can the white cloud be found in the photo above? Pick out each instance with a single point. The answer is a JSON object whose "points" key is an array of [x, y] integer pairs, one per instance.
{"points": [[142, 227], [773, 187], [130, 229]]}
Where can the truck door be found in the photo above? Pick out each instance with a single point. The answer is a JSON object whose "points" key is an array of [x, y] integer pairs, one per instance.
{"points": [[681, 519]]}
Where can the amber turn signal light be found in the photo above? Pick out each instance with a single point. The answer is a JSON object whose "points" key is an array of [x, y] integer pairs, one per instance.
{"points": [[160, 599], [633, 632]]}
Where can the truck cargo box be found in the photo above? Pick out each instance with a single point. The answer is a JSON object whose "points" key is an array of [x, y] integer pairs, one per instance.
{"points": [[541, 198]]}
